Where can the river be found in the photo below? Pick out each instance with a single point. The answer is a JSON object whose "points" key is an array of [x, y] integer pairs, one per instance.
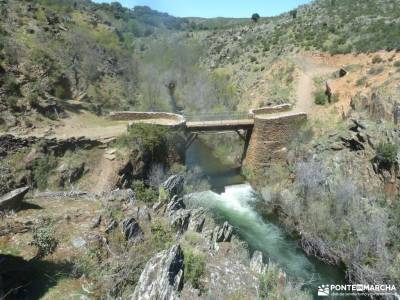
{"points": [[232, 199]]}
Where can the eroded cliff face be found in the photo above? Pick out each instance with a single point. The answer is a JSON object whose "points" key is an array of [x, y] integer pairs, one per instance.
{"points": [[87, 164]]}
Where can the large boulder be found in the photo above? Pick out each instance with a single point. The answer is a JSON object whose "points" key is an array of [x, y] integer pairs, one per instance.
{"points": [[162, 277], [13, 199], [174, 185]]}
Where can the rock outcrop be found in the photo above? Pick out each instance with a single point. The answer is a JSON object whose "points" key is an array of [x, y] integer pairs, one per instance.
{"points": [[132, 231], [174, 185], [123, 195], [162, 277], [10, 144], [256, 263], [197, 220], [13, 199], [175, 204], [223, 233], [180, 220]]}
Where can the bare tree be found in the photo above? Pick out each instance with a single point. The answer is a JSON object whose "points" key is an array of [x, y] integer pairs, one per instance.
{"points": [[156, 175]]}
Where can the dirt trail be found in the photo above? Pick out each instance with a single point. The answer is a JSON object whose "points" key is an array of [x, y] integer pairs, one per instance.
{"points": [[309, 69], [103, 176]]}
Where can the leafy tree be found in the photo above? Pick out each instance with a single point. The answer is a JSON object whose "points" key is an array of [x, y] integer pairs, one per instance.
{"points": [[195, 266], [255, 17]]}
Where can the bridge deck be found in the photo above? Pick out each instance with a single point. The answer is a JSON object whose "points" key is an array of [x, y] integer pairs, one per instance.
{"points": [[219, 125]]}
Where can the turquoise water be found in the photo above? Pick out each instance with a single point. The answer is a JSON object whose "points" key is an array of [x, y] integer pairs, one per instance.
{"points": [[233, 200], [236, 205]]}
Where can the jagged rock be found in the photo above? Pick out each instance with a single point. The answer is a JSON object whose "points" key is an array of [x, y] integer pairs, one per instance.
{"points": [[174, 185], [175, 204], [132, 230], [357, 125], [52, 19], [96, 222], [328, 90], [362, 137], [180, 220], [197, 220], [143, 214], [352, 143], [162, 277], [256, 262], [396, 114], [223, 233], [342, 72], [13, 199], [9, 143], [377, 108], [157, 205], [110, 226]]}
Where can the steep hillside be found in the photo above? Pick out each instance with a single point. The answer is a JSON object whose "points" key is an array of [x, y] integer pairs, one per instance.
{"points": [[52, 51]]}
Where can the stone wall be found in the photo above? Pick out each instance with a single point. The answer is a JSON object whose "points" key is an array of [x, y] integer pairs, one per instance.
{"points": [[270, 109], [270, 138], [136, 116]]}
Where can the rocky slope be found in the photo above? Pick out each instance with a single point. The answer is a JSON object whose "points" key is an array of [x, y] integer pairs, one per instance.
{"points": [[164, 251]]}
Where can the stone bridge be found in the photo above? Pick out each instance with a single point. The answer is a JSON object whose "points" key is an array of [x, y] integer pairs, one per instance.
{"points": [[266, 131]]}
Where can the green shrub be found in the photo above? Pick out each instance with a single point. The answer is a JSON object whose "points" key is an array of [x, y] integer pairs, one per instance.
{"points": [[12, 102], [361, 81], [143, 193], [320, 98], [270, 286], [43, 238], [386, 154], [397, 64], [11, 85], [151, 136], [33, 98], [42, 169], [377, 59], [195, 265], [375, 70], [161, 236], [335, 98]]}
